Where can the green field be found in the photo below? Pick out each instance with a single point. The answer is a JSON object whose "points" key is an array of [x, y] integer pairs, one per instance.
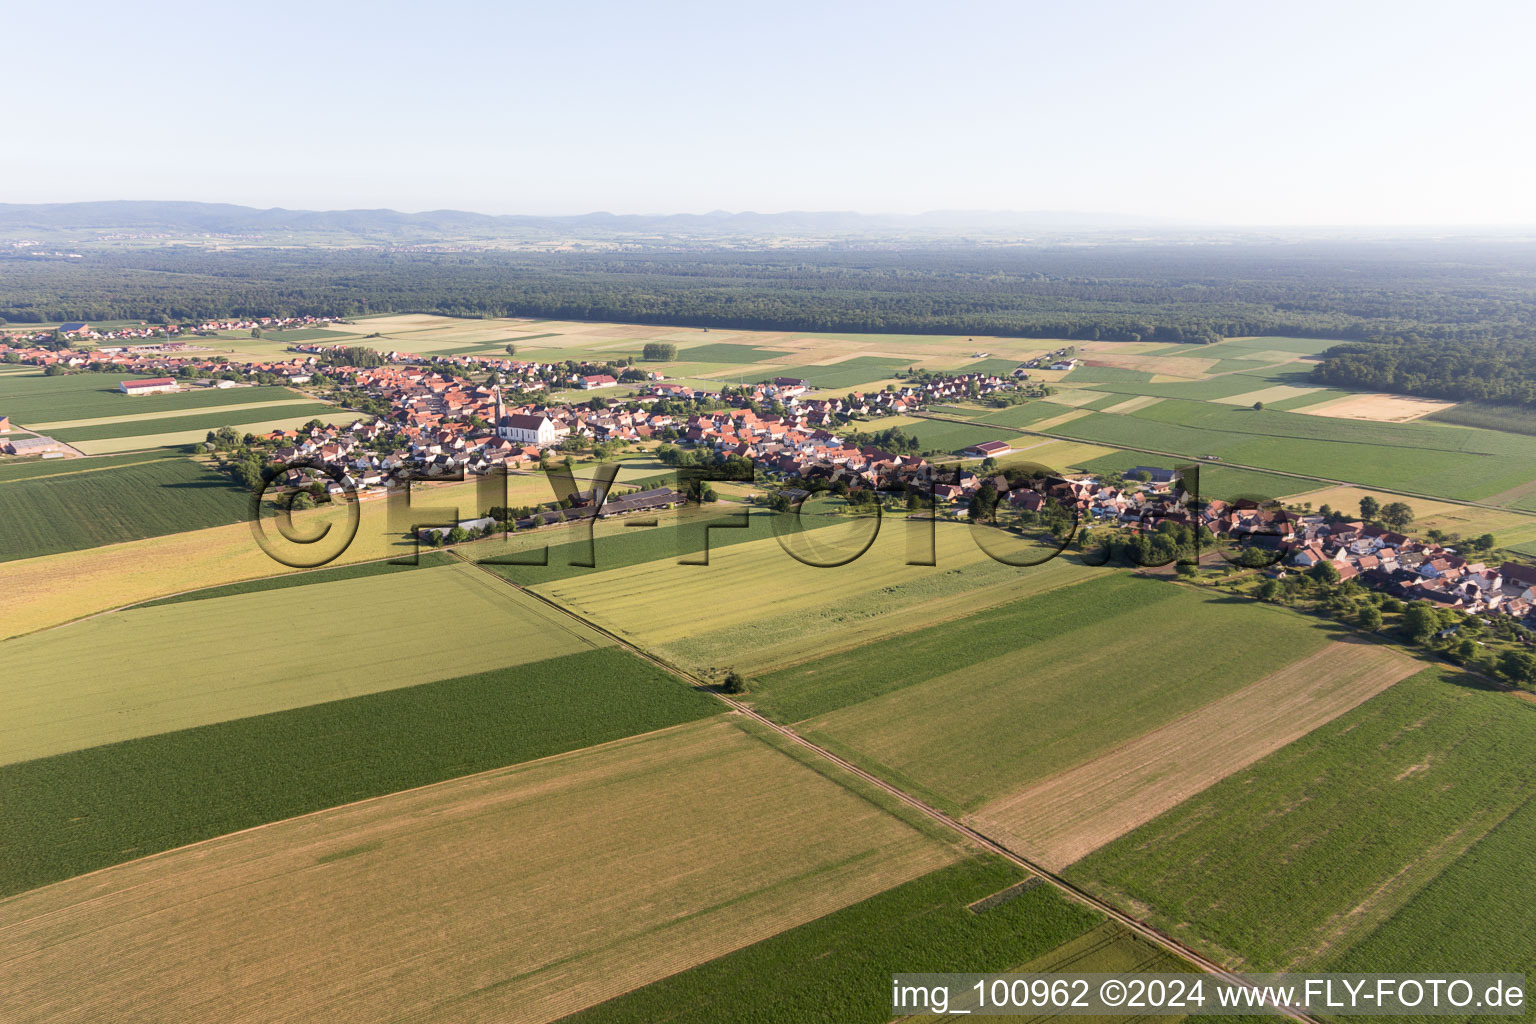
{"points": [[151, 670], [1196, 390], [1216, 480], [34, 398], [88, 809], [837, 969], [62, 505], [1013, 416], [1451, 462], [1512, 419], [849, 373], [1065, 676], [724, 352], [937, 435], [1356, 845], [1106, 375], [296, 412], [426, 560], [32, 469]]}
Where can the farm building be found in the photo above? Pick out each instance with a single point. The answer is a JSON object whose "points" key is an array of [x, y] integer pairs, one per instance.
{"points": [[597, 380], [74, 327], [643, 501], [1156, 474], [989, 449], [32, 445], [150, 386], [468, 525], [1064, 364], [5, 424]]}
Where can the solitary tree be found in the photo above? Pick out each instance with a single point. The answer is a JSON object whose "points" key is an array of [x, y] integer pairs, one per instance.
{"points": [[1369, 617], [1258, 406], [1369, 507], [734, 683], [511, 350]]}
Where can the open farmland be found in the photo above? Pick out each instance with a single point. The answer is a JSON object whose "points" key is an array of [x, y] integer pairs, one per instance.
{"points": [[618, 543], [1057, 821], [147, 419], [32, 398], [52, 589], [308, 578], [89, 809], [151, 670], [69, 505], [191, 422], [1378, 806], [108, 440], [1080, 695], [841, 964], [1377, 408], [952, 437], [1419, 457], [784, 610], [849, 373], [352, 909]]}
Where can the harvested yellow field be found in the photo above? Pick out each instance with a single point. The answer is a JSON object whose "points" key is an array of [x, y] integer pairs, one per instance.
{"points": [[1271, 394], [148, 417], [1133, 404], [1509, 526], [1378, 408], [756, 606], [136, 442], [1062, 456], [1182, 367], [1073, 398], [520, 895], [1068, 816], [1056, 421], [53, 589], [151, 670]]}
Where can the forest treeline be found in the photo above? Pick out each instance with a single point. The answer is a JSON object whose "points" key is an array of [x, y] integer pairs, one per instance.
{"points": [[1497, 372], [1129, 293]]}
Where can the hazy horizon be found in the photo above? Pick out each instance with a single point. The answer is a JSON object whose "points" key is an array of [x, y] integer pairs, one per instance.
{"points": [[1375, 114]]}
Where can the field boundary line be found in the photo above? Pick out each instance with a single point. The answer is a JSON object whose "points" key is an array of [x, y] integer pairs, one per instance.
{"points": [[356, 803], [1135, 924]]}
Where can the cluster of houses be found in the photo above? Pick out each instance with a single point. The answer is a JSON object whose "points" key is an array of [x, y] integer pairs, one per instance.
{"points": [[84, 331], [1378, 558]]}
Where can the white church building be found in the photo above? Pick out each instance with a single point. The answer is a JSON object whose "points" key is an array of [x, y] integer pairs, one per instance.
{"points": [[524, 428]]}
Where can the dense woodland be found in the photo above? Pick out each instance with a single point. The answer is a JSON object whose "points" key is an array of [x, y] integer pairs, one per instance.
{"points": [[1151, 292], [1447, 320], [1500, 372]]}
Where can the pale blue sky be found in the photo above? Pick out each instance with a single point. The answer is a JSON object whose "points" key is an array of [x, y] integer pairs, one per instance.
{"points": [[1294, 113]]}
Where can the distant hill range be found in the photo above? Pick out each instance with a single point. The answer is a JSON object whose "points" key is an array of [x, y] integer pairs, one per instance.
{"points": [[84, 222]]}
